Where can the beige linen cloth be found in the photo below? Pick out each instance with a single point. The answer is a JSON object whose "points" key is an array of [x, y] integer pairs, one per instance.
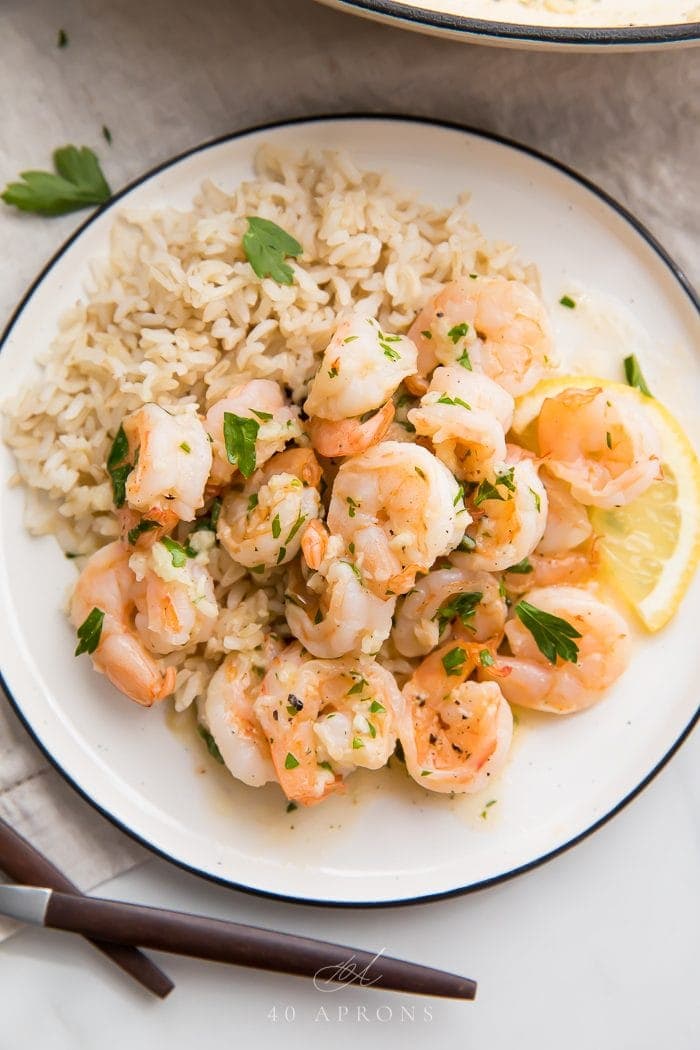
{"points": [[38, 803]]}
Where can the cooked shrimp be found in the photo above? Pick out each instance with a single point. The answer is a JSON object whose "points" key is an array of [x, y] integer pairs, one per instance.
{"points": [[231, 719], [508, 526], [175, 602], [324, 718], [426, 613], [107, 583], [568, 525], [360, 370], [604, 446], [546, 570], [263, 402], [603, 654], [345, 618], [490, 324], [455, 734], [398, 508], [466, 416], [262, 526], [172, 460], [348, 437]]}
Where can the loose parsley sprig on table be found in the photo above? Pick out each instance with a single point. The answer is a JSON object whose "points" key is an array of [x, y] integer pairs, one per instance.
{"points": [[266, 245], [78, 182], [552, 634]]}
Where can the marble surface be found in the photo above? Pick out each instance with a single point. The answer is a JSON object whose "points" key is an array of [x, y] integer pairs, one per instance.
{"points": [[597, 947]]}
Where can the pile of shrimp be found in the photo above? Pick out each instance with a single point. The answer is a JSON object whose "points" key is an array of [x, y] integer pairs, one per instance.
{"points": [[410, 534]]}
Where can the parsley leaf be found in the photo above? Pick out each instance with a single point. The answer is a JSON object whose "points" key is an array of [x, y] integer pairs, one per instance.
{"points": [[77, 183], [487, 490], [117, 469], [240, 435], [266, 245], [209, 521], [522, 568], [458, 332], [634, 376], [178, 553], [89, 632], [453, 661], [445, 400], [212, 746], [145, 525], [551, 633], [460, 605], [465, 361]]}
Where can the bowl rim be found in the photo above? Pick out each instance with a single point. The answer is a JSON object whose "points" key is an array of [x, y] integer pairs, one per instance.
{"points": [[416, 17], [502, 140]]}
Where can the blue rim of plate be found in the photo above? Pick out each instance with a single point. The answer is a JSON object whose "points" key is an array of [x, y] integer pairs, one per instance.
{"points": [[415, 17], [661, 252]]}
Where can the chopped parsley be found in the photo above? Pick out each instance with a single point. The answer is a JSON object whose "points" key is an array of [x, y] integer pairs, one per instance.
{"points": [[106, 134], [634, 376], [145, 525], [445, 400], [376, 708], [487, 490], [252, 502], [458, 332], [454, 660], [538, 501], [89, 632], [463, 606], [117, 468], [356, 743], [466, 544], [358, 687], [276, 527], [333, 372], [420, 472], [291, 806], [282, 555], [487, 807], [185, 447], [464, 360], [264, 417], [608, 439], [178, 553], [212, 746], [352, 506], [486, 658], [295, 528], [209, 521], [290, 761], [568, 302], [427, 334], [266, 246], [240, 435], [552, 634], [522, 568]]}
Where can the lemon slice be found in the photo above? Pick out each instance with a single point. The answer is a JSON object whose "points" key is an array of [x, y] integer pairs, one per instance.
{"points": [[650, 548]]}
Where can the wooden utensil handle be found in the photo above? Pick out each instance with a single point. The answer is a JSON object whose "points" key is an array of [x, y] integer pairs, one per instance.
{"points": [[262, 949], [24, 864]]}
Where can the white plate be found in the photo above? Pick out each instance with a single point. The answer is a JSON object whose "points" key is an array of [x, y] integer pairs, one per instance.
{"points": [[387, 840], [591, 25]]}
